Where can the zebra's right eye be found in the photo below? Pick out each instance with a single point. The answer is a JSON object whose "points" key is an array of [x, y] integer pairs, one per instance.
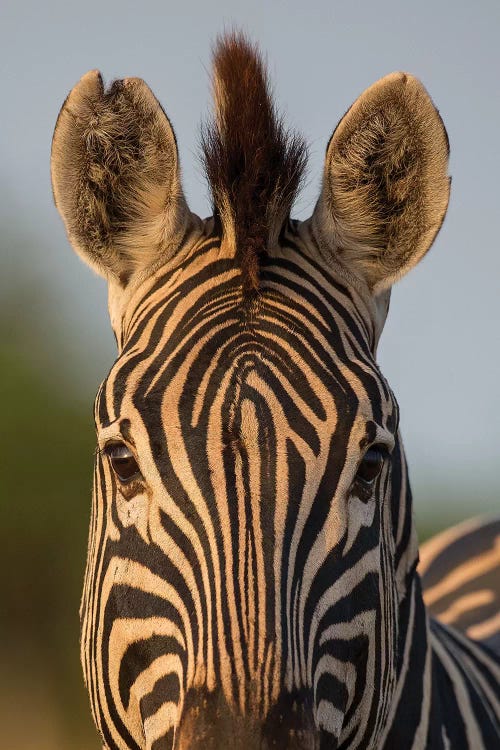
{"points": [[123, 462], [368, 470], [371, 465]]}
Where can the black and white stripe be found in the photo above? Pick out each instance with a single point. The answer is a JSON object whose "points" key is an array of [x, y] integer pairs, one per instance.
{"points": [[243, 564]]}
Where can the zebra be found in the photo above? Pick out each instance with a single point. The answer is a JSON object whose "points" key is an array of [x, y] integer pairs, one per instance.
{"points": [[252, 574]]}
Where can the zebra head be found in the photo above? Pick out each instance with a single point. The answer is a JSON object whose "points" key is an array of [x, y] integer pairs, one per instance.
{"points": [[251, 542]]}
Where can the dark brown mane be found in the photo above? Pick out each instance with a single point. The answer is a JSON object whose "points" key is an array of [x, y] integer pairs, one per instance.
{"points": [[253, 164]]}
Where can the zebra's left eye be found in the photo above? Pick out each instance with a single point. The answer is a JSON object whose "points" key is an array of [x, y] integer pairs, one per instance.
{"points": [[123, 462], [371, 465]]}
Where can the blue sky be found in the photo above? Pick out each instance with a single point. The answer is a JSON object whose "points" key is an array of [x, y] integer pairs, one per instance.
{"points": [[441, 347]]}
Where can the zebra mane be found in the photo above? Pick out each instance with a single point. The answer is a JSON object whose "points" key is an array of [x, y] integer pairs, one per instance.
{"points": [[254, 166]]}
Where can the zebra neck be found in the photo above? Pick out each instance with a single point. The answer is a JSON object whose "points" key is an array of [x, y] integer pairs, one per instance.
{"points": [[447, 693]]}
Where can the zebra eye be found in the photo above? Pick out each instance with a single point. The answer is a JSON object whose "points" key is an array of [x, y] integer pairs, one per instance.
{"points": [[123, 462], [371, 465]]}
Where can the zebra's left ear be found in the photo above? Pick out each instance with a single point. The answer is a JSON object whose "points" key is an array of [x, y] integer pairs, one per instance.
{"points": [[385, 186]]}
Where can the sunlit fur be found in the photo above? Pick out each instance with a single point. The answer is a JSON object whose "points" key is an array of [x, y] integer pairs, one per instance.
{"points": [[115, 176], [245, 589], [386, 185]]}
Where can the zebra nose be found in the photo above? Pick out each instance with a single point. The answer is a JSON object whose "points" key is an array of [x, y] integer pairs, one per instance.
{"points": [[209, 723]]}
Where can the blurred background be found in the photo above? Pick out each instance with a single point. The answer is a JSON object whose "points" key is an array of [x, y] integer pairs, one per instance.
{"points": [[440, 350]]}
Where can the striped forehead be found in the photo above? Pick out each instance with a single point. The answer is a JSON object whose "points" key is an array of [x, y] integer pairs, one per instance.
{"points": [[307, 332]]}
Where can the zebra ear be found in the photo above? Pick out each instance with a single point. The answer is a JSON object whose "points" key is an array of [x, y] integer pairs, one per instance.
{"points": [[385, 187], [115, 177]]}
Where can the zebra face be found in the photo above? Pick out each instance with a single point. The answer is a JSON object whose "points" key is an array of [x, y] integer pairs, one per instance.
{"points": [[251, 526], [246, 548]]}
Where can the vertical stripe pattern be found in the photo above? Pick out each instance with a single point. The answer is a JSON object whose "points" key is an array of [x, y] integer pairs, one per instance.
{"points": [[244, 587]]}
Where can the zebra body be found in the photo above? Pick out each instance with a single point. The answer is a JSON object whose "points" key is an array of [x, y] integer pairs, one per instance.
{"points": [[252, 566]]}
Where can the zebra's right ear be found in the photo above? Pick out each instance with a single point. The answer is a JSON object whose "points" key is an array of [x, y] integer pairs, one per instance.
{"points": [[115, 177]]}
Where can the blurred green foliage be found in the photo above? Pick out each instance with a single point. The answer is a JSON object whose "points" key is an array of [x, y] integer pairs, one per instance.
{"points": [[46, 444]]}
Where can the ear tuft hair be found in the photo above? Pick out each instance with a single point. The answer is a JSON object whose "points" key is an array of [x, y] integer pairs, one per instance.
{"points": [[115, 176], [253, 165], [386, 187]]}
